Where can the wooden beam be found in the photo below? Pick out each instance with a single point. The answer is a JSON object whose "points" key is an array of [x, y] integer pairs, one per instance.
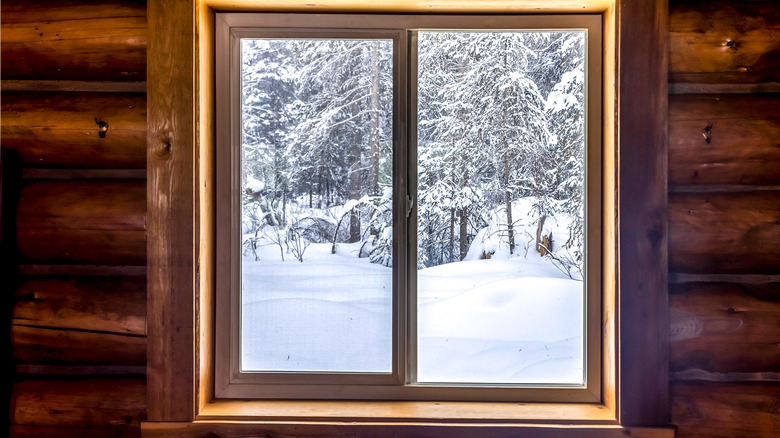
{"points": [[725, 410], [726, 139], [82, 270], [641, 211], [725, 233], [82, 370], [725, 328], [71, 40], [10, 184], [8, 85], [80, 221], [34, 173], [61, 129], [172, 210], [724, 42], [383, 430], [86, 404]]}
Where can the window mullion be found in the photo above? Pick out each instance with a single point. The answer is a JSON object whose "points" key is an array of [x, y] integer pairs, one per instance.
{"points": [[411, 218]]}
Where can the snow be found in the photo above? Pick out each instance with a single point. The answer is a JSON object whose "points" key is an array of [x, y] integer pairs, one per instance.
{"points": [[516, 320]]}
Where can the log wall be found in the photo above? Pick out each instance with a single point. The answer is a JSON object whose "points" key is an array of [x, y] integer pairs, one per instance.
{"points": [[78, 316], [724, 212]]}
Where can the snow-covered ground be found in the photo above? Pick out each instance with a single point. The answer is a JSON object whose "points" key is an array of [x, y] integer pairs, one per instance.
{"points": [[503, 320]]}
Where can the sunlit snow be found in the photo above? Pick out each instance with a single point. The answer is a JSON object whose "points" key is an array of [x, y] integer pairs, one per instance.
{"points": [[511, 320]]}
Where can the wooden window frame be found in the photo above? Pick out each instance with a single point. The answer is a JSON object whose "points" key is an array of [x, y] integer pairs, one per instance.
{"points": [[181, 251], [230, 382]]}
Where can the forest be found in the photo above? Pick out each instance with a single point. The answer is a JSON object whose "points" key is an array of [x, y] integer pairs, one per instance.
{"points": [[500, 162], [500, 117]]}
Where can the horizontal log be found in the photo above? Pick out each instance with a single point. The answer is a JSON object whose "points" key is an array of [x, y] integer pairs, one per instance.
{"points": [[110, 305], [68, 432], [702, 375], [67, 39], [726, 410], [744, 139], [81, 370], [724, 233], [718, 278], [36, 173], [721, 41], [37, 345], [82, 270], [61, 129], [80, 86], [80, 321], [95, 221], [115, 404], [725, 327], [692, 88]]}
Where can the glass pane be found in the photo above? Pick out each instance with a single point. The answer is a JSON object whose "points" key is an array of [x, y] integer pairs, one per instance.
{"points": [[501, 128], [316, 190]]}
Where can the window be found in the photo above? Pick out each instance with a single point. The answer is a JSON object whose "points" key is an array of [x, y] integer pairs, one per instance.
{"points": [[182, 254], [414, 207]]}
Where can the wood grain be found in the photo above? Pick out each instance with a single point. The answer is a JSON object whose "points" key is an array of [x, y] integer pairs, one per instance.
{"points": [[60, 129], [110, 305], [725, 233], [720, 41], [172, 207], [96, 221], [94, 321], [322, 430], [744, 145], [725, 327], [114, 404], [66, 39], [44, 345], [641, 214], [726, 410], [72, 432]]}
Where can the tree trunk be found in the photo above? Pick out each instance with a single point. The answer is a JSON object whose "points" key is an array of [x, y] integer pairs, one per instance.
{"points": [[373, 172], [508, 201], [539, 228], [464, 243], [450, 256], [354, 185]]}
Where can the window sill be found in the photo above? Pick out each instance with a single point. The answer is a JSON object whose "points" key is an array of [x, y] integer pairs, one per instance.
{"points": [[237, 418]]}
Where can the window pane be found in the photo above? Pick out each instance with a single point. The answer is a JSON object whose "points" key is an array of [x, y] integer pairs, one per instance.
{"points": [[316, 187], [501, 130]]}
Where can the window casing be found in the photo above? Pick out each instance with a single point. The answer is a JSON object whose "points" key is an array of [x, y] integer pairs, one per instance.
{"points": [[230, 382]]}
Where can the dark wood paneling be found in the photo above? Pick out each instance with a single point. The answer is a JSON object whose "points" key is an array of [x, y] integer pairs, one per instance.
{"points": [[725, 233], [44, 345], [94, 321], [66, 39], [744, 145], [60, 129], [83, 221], [103, 406], [725, 327], [726, 410], [721, 41], [642, 218], [72, 432], [112, 305], [173, 210]]}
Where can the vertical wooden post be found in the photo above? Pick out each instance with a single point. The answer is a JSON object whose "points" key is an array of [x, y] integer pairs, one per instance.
{"points": [[172, 211], [642, 65], [10, 182]]}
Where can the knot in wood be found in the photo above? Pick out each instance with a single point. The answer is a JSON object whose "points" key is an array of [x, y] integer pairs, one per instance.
{"points": [[163, 151]]}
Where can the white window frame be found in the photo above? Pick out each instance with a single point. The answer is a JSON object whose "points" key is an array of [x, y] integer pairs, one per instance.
{"points": [[230, 381]]}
